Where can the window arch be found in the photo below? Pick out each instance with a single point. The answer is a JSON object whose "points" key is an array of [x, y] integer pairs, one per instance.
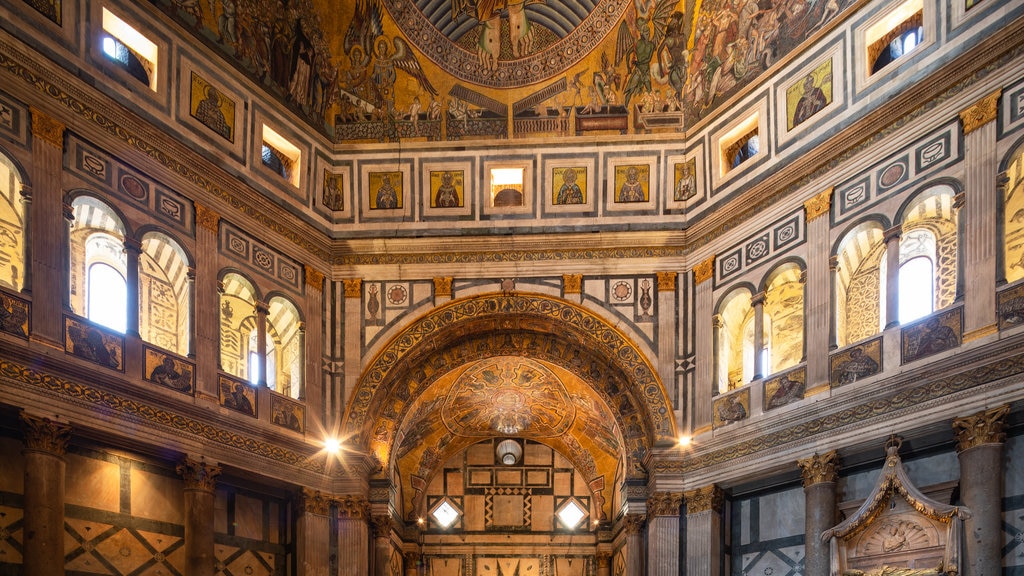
{"points": [[12, 227], [929, 231], [783, 318], [96, 246], [858, 289], [285, 364], [735, 340], [1013, 217], [165, 294], [237, 324]]}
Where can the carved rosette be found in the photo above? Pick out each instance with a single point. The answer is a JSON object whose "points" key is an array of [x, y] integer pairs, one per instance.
{"points": [[353, 287], [355, 507], [45, 435], [314, 502], [983, 112], [818, 206], [981, 428], [634, 523], [664, 504], [709, 498], [443, 286], [703, 271], [666, 281], [314, 278], [381, 526], [820, 468], [198, 475], [572, 283], [47, 129], [206, 218]]}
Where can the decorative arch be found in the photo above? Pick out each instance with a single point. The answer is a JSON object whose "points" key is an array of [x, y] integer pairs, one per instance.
{"points": [[1011, 215], [13, 236]]}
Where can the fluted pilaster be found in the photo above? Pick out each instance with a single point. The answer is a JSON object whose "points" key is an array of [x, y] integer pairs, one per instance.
{"points": [[704, 531], [704, 345], [818, 290], [663, 533]]}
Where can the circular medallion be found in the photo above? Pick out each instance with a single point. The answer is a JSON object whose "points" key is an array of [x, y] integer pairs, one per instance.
{"points": [[893, 174], [506, 43]]}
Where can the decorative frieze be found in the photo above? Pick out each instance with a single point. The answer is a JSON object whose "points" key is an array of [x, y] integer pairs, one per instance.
{"points": [[983, 112], [709, 498], [819, 205], [353, 287], [571, 283], [820, 468], [47, 129], [982, 428], [46, 435], [703, 271], [664, 503], [198, 475]]}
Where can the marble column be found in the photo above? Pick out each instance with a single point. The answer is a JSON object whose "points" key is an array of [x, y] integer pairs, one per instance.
{"points": [[572, 287], [207, 291], [26, 210], [833, 311], [720, 378], [412, 560], [46, 442], [200, 479], [49, 248], [604, 563], [980, 438], [353, 536], [667, 334], [382, 545], [313, 533], [980, 227], [262, 311], [820, 473], [817, 290], [892, 276], [704, 531], [312, 386], [760, 370], [353, 334], [634, 528], [704, 345], [663, 533], [132, 252]]}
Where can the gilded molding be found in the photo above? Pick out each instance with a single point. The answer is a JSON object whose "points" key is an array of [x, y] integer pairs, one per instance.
{"points": [[572, 283], [666, 281], [353, 287], [206, 218], [709, 498], [704, 270], [314, 278], [634, 523], [982, 112], [45, 435], [482, 257], [47, 129], [819, 205], [664, 503], [982, 428], [314, 502], [353, 507], [820, 468], [443, 286], [198, 475]]}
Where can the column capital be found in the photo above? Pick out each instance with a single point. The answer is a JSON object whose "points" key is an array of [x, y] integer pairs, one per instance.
{"points": [[47, 129], [262, 308], [604, 558], [381, 525], [198, 475], [442, 287], [45, 435], [982, 112], [353, 287], [704, 270], [314, 502], [26, 192], [572, 283], [709, 498], [819, 205], [67, 210], [664, 503], [717, 321], [757, 299], [314, 278], [411, 557], [981, 428], [666, 281], [132, 245], [207, 218], [353, 507], [833, 263], [634, 523], [820, 468], [894, 233]]}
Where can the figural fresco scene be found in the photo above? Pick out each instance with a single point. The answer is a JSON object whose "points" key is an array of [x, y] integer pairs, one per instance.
{"points": [[489, 69]]}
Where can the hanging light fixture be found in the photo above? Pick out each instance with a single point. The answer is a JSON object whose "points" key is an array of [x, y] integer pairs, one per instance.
{"points": [[509, 452]]}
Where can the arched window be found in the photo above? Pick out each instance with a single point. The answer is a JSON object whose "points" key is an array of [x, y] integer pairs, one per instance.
{"points": [[735, 353], [858, 287], [238, 323], [97, 249], [1013, 217], [165, 297], [783, 319], [12, 227], [285, 365]]}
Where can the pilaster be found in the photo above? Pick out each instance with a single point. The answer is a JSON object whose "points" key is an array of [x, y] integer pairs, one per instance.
{"points": [[312, 533], [704, 531], [667, 322], [353, 535], [353, 333], [49, 247], [634, 528], [704, 345], [818, 289], [207, 297], [663, 533], [312, 386]]}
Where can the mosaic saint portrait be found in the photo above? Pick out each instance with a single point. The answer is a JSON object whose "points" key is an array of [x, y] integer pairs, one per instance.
{"points": [[334, 191], [685, 182], [809, 95], [237, 395], [447, 188], [632, 183], [385, 190], [49, 8], [14, 315], [288, 414], [93, 344], [784, 389], [1009, 309], [215, 110], [856, 363], [731, 408], [936, 334], [168, 371], [569, 185], [6, 116]]}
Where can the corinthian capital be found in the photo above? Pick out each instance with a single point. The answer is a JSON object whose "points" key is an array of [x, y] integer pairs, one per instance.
{"points": [[664, 503], [198, 475], [45, 435], [981, 428], [708, 498], [820, 468]]}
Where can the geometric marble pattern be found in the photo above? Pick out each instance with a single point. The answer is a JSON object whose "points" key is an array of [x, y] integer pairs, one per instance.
{"points": [[234, 561], [10, 535], [92, 547], [1013, 535], [786, 561]]}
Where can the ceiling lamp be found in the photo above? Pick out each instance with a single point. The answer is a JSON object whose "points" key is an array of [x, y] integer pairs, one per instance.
{"points": [[509, 452]]}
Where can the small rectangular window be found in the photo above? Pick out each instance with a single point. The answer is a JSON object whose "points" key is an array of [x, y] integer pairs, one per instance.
{"points": [[506, 187], [895, 35], [740, 144], [280, 156], [128, 49]]}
